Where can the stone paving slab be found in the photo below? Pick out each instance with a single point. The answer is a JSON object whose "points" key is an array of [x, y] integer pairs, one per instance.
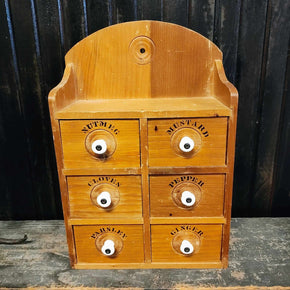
{"points": [[259, 257]]}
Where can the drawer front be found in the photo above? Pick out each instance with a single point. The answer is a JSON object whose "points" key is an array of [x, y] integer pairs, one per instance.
{"points": [[187, 142], [105, 196], [93, 242], [186, 243], [187, 195], [100, 143]]}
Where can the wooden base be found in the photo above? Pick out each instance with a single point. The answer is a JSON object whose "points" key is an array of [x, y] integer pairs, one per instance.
{"points": [[207, 265]]}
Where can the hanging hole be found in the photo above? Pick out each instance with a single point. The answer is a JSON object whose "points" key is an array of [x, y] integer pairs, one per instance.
{"points": [[142, 50]]}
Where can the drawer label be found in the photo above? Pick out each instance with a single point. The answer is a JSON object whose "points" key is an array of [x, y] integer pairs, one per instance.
{"points": [[185, 124], [187, 228], [104, 179], [103, 230], [186, 178], [100, 125]]}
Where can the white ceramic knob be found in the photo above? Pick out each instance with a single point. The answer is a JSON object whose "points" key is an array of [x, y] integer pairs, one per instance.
{"points": [[104, 199], [99, 146], [186, 144], [186, 247], [187, 198], [108, 248]]}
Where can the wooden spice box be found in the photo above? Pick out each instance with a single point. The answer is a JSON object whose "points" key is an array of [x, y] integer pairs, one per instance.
{"points": [[144, 125]]}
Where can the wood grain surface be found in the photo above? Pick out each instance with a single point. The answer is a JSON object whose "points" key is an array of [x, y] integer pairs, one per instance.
{"points": [[128, 190], [132, 250], [213, 147], [76, 156], [162, 249], [210, 204], [140, 138], [146, 108]]}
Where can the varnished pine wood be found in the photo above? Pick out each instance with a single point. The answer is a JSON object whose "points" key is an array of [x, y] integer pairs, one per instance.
{"points": [[128, 189], [56, 99], [145, 108], [76, 156], [185, 220], [163, 265], [211, 153], [178, 76], [162, 248], [177, 67], [132, 250], [107, 220], [102, 171], [145, 188], [211, 202]]}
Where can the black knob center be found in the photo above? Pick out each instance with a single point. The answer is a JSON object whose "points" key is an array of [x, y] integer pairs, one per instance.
{"points": [[186, 145], [188, 200], [99, 147], [108, 251], [186, 250], [103, 201], [142, 50]]}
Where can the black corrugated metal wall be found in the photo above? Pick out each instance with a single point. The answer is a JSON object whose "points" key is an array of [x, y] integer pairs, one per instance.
{"points": [[36, 34]]}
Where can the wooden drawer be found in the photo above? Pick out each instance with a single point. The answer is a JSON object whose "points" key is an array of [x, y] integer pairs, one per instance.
{"points": [[82, 148], [128, 243], [169, 194], [168, 137], [85, 196], [167, 243]]}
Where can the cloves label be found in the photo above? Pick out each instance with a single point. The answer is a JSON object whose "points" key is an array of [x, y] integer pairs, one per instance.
{"points": [[104, 179]]}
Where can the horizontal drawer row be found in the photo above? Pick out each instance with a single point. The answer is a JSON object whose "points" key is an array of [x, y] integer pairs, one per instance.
{"points": [[169, 243], [170, 196], [116, 143]]}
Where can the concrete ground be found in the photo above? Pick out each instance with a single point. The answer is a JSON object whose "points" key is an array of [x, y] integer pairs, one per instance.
{"points": [[259, 257]]}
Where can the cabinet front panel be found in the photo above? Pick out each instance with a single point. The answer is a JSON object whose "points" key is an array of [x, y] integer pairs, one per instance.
{"points": [[187, 195], [105, 196], [100, 144], [187, 142], [94, 244], [186, 243]]}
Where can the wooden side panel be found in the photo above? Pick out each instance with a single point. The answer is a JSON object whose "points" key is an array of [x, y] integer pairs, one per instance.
{"points": [[213, 142], [76, 155], [81, 205], [162, 248], [132, 250], [211, 202]]}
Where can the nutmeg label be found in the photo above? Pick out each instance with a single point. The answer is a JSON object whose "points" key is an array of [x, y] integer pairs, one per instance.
{"points": [[188, 123], [186, 178], [187, 228], [103, 230], [99, 124], [104, 179]]}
